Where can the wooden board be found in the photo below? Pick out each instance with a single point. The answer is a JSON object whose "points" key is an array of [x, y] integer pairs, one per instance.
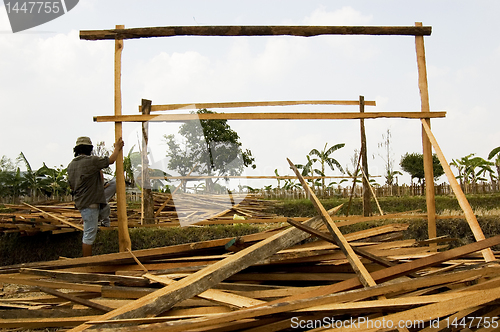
{"points": [[197, 106], [266, 116]]}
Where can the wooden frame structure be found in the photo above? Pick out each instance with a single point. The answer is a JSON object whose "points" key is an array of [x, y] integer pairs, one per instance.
{"points": [[428, 140]]}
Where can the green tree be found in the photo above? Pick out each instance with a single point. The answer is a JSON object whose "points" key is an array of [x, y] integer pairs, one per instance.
{"points": [[413, 164], [211, 148], [325, 158]]}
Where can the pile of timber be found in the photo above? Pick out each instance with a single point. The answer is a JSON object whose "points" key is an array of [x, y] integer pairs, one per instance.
{"points": [[57, 218], [292, 277]]}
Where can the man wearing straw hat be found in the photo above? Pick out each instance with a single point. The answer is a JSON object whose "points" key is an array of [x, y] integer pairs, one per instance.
{"points": [[87, 185]]}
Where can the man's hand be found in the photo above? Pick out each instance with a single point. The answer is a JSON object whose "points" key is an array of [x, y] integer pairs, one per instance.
{"points": [[118, 147]]}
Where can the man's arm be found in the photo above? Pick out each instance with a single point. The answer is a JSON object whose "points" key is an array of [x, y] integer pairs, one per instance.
{"points": [[118, 147]]}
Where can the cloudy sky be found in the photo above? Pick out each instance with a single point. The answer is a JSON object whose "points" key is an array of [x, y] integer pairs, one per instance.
{"points": [[52, 83]]}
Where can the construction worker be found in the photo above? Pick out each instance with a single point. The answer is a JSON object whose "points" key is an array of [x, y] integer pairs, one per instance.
{"points": [[87, 186]]}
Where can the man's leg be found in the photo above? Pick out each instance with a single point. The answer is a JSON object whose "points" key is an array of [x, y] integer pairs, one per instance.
{"points": [[90, 217], [109, 192]]}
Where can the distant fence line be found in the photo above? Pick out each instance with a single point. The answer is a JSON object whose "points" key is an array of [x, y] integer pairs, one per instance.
{"points": [[380, 191], [299, 193]]}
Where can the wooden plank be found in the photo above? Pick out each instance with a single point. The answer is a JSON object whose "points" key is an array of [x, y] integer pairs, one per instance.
{"points": [[462, 200], [436, 310], [357, 266], [51, 284], [197, 106], [327, 237], [37, 323], [121, 199], [75, 299], [267, 116], [426, 145], [88, 277], [303, 31], [64, 221], [163, 299]]}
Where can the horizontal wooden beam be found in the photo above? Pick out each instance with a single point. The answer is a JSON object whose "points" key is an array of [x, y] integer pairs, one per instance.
{"points": [[266, 116], [253, 30], [284, 177], [197, 106]]}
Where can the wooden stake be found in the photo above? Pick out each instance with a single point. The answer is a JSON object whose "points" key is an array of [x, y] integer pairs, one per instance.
{"points": [[462, 200], [121, 199], [426, 145]]}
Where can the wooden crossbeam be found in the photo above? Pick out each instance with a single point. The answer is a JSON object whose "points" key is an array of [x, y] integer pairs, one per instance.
{"points": [[266, 116], [302, 31], [197, 106]]}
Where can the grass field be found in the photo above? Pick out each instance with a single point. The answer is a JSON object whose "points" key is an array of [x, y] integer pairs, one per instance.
{"points": [[15, 249]]}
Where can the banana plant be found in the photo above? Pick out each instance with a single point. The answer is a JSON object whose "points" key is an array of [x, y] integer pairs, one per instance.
{"points": [[324, 158]]}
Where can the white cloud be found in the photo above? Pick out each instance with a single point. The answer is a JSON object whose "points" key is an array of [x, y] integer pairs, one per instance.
{"points": [[344, 16]]}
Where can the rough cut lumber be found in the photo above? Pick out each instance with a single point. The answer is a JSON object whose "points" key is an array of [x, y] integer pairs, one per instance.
{"points": [[163, 299], [121, 199], [426, 145], [304, 301], [358, 267], [436, 310], [303, 31], [75, 299], [197, 106], [266, 116], [462, 200]]}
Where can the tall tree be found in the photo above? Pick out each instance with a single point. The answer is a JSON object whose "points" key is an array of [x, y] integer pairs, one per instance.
{"points": [[325, 158], [413, 164], [211, 148]]}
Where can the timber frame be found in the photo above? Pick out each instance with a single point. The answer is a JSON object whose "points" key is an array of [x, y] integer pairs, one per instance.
{"points": [[428, 140]]}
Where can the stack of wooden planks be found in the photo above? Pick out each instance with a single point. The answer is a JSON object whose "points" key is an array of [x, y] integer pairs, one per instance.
{"points": [[54, 217], [289, 278]]}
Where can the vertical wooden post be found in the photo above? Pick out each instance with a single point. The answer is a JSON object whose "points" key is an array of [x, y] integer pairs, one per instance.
{"points": [[367, 208], [121, 199], [147, 206], [426, 144]]}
